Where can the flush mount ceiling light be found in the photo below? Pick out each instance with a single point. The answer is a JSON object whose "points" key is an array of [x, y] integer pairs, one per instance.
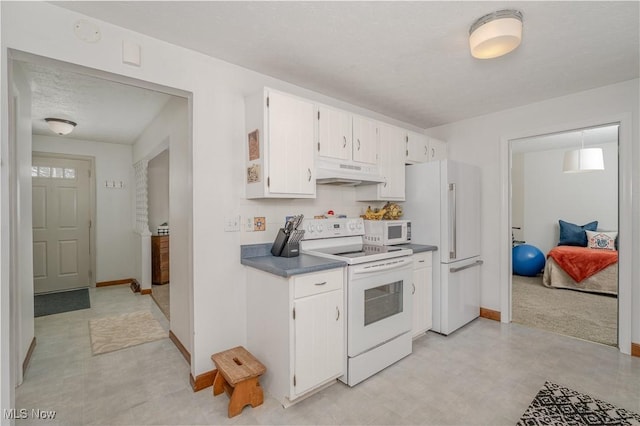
{"points": [[495, 34], [60, 126], [583, 159]]}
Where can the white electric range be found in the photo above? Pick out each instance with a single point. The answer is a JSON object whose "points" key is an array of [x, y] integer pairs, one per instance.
{"points": [[378, 294]]}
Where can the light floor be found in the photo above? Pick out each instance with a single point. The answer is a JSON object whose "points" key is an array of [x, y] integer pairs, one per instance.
{"points": [[484, 374]]}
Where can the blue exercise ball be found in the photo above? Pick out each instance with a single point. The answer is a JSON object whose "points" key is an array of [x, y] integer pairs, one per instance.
{"points": [[527, 260]]}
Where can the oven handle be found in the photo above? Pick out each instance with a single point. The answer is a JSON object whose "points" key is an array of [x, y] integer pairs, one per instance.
{"points": [[382, 267]]}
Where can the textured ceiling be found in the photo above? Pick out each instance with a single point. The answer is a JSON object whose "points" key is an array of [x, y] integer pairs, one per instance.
{"points": [[407, 60], [104, 110]]}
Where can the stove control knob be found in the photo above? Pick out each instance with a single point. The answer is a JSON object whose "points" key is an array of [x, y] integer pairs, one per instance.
{"points": [[359, 225], [311, 228], [320, 227], [352, 226]]}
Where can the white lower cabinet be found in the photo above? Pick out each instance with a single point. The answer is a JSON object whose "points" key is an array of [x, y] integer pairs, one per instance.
{"points": [[422, 293], [295, 327]]}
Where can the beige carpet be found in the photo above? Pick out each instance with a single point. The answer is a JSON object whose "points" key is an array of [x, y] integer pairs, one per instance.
{"points": [[160, 295], [114, 333], [587, 316]]}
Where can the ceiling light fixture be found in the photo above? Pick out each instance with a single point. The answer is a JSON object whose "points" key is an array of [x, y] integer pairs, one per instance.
{"points": [[495, 34], [583, 159], [60, 126]]}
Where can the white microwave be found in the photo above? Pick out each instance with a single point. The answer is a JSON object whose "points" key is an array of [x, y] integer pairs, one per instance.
{"points": [[387, 232]]}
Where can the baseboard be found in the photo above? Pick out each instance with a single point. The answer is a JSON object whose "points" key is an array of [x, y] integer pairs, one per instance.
{"points": [[185, 353], [203, 381], [135, 286], [145, 291], [27, 358], [115, 282], [490, 314], [635, 349]]}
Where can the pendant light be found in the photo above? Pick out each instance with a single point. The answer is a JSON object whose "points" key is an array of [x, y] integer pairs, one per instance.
{"points": [[60, 126], [583, 159], [495, 34]]}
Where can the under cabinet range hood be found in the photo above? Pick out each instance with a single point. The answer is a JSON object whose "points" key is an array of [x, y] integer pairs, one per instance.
{"points": [[346, 173]]}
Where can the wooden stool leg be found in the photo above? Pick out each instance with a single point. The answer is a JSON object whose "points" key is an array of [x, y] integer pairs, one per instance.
{"points": [[247, 392], [218, 384]]}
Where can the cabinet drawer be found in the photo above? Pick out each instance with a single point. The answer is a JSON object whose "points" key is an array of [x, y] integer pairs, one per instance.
{"points": [[422, 260], [307, 285]]}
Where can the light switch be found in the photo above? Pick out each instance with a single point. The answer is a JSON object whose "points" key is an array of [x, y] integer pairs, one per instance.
{"points": [[232, 223]]}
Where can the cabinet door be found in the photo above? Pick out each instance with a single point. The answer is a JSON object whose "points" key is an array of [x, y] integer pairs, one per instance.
{"points": [[290, 141], [417, 148], [319, 340], [422, 294], [365, 140], [391, 164], [334, 133], [437, 150]]}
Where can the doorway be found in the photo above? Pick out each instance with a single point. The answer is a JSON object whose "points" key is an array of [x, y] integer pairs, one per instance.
{"points": [[545, 202], [62, 216], [115, 183]]}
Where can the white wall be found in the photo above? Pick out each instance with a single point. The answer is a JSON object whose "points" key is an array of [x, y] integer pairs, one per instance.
{"points": [[24, 237], [158, 186], [479, 141], [550, 195], [114, 242]]}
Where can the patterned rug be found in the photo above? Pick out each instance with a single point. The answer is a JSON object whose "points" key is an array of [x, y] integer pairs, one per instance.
{"points": [[557, 405], [114, 333]]}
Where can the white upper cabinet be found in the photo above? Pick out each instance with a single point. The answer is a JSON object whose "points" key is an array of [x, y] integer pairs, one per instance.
{"points": [[365, 140], [391, 146], [334, 133], [280, 142], [417, 148], [342, 135], [421, 148], [437, 150]]}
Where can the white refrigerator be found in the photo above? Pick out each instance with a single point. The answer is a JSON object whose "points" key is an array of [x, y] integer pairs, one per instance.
{"points": [[443, 205]]}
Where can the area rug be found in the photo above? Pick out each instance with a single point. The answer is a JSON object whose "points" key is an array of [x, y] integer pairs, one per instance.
{"points": [[557, 405], [64, 301], [123, 331], [587, 316]]}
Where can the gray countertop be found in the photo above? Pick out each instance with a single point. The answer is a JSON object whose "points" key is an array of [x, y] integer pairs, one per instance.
{"points": [[259, 256], [418, 248]]}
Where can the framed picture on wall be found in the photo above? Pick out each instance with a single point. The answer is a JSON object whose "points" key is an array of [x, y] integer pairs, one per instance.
{"points": [[254, 145]]}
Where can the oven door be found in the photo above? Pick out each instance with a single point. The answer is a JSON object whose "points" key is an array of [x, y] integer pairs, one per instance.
{"points": [[379, 303]]}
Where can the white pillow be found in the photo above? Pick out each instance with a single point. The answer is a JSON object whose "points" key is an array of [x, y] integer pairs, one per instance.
{"points": [[605, 240]]}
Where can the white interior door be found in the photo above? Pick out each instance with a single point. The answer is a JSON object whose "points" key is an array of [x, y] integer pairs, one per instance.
{"points": [[61, 221]]}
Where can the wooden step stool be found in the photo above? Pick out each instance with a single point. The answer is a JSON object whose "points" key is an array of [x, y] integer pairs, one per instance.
{"points": [[238, 375]]}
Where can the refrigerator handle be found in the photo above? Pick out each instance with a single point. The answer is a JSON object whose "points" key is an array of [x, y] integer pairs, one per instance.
{"points": [[452, 221], [462, 268]]}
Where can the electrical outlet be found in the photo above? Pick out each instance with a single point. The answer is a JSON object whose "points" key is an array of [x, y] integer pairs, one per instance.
{"points": [[232, 223], [259, 223], [248, 224]]}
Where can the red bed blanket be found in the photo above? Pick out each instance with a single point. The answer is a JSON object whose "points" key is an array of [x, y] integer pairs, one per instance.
{"points": [[582, 262]]}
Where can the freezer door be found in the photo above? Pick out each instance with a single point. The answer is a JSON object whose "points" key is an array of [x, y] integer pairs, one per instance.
{"points": [[460, 294], [460, 207]]}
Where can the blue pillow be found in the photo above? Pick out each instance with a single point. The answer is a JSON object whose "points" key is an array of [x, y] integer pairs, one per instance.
{"points": [[575, 235]]}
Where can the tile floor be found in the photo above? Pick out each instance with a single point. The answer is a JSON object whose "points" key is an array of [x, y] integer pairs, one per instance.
{"points": [[484, 374]]}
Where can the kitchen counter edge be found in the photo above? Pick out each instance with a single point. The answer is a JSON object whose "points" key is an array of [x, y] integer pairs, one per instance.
{"points": [[259, 256], [418, 248]]}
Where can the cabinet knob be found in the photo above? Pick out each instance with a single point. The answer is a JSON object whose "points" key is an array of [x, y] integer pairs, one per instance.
{"points": [[385, 182], [426, 150], [322, 283], [337, 313], [344, 141], [309, 174], [358, 144], [433, 152], [414, 288]]}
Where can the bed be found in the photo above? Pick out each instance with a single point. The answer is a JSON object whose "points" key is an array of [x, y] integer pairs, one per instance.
{"points": [[582, 268]]}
